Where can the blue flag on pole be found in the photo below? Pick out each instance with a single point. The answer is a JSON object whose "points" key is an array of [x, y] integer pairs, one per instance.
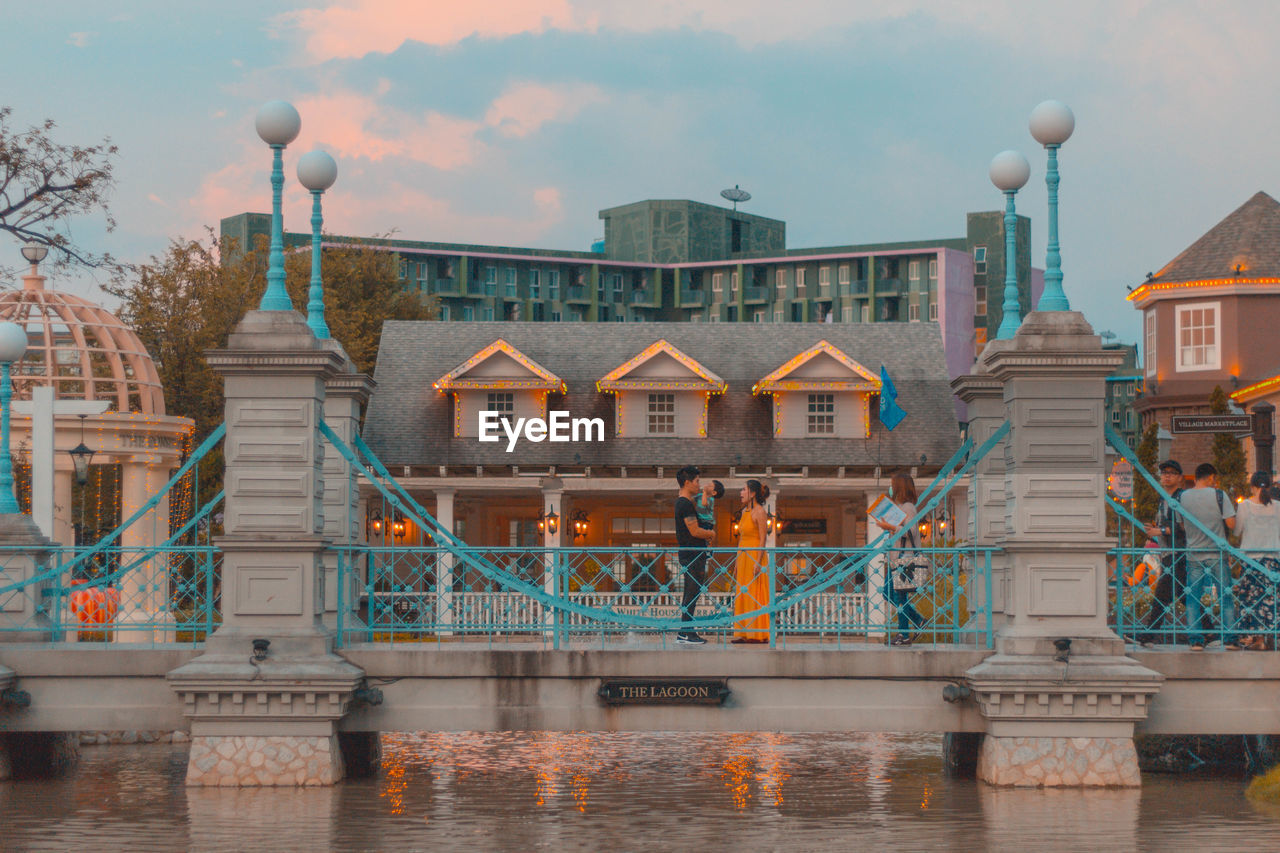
{"points": [[891, 413]]}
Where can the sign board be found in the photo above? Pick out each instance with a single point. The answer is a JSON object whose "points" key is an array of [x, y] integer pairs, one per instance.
{"points": [[805, 525], [1233, 424], [1121, 480], [664, 691]]}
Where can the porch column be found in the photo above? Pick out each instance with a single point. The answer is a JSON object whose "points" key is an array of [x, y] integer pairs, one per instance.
{"points": [[1059, 697], [144, 592], [444, 562], [879, 619], [552, 500]]}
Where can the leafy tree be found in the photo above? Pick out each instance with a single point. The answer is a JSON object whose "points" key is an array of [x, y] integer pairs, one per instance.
{"points": [[44, 184], [1228, 455], [187, 301], [1145, 500]]}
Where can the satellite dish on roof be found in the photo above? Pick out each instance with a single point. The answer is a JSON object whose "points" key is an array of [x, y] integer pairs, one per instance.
{"points": [[735, 194]]}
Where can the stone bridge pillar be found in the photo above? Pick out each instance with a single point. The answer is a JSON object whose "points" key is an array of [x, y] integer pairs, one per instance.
{"points": [[346, 393], [270, 718], [1059, 697]]}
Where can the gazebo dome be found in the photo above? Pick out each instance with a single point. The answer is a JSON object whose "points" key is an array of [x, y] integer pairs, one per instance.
{"points": [[81, 349]]}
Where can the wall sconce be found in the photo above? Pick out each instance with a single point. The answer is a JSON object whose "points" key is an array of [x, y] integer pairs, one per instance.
{"points": [[771, 523], [549, 523], [735, 528], [398, 526], [580, 521], [375, 524]]}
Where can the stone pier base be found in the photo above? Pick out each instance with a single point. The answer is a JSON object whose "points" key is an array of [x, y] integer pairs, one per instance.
{"points": [[264, 761], [1059, 762]]}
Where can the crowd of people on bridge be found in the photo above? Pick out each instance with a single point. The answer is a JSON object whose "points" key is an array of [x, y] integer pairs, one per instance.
{"points": [[1190, 527]]}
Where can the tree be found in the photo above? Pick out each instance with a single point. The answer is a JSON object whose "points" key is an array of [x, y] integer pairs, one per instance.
{"points": [[1145, 500], [187, 301], [45, 184], [1228, 455]]}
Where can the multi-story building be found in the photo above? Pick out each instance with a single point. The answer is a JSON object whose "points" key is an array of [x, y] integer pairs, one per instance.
{"points": [[683, 260], [1209, 319], [1124, 387]]}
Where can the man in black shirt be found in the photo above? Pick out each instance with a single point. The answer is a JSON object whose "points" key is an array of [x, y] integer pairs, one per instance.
{"points": [[692, 538], [1172, 538]]}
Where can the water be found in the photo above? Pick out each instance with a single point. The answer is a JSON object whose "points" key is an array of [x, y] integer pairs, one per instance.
{"points": [[597, 792]]}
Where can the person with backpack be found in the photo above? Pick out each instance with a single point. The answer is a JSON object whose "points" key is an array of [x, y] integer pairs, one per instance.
{"points": [[1258, 526], [1167, 531], [1206, 565]]}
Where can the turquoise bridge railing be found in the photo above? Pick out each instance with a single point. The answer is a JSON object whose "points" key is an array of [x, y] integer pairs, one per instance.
{"points": [[1162, 595], [449, 590], [163, 591]]}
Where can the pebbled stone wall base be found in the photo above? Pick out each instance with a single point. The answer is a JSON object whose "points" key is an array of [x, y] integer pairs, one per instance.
{"points": [[1059, 762], [271, 761]]}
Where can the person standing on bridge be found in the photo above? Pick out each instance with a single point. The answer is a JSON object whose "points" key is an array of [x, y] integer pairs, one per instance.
{"points": [[1258, 525], [1206, 564], [751, 575], [908, 567], [1168, 532], [693, 540]]}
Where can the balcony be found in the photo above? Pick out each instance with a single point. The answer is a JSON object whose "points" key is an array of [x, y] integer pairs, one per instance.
{"points": [[859, 287], [447, 287], [890, 287], [642, 297], [823, 294], [511, 293], [577, 294], [690, 298], [755, 295]]}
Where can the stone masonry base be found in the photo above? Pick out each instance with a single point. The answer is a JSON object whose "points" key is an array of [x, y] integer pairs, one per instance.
{"points": [[1059, 762], [270, 761]]}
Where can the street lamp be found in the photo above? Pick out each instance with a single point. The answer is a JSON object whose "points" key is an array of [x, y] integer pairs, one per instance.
{"points": [[550, 522], [278, 124], [81, 456], [316, 171], [13, 346], [1009, 172], [1051, 124], [34, 253]]}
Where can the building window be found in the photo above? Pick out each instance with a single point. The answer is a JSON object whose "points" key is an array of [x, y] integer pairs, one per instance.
{"points": [[490, 275], [620, 317], [822, 414], [933, 312], [1115, 416], [844, 273], [913, 311], [509, 276], [758, 316], [717, 282], [1150, 355], [615, 279], [555, 316], [502, 402], [979, 260], [553, 284], [444, 312], [733, 285], [846, 313], [980, 300], [777, 315], [824, 276], [913, 270], [662, 414], [933, 268], [714, 316], [488, 314], [800, 273], [866, 313], [781, 279], [468, 313], [1197, 329], [1128, 418], [535, 284]]}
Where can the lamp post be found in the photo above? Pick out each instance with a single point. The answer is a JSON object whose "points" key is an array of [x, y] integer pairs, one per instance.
{"points": [[81, 455], [34, 253], [13, 346], [278, 124], [316, 171], [1009, 172], [1051, 124]]}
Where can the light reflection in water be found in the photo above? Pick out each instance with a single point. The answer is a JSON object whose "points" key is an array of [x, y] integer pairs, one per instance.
{"points": [[586, 791]]}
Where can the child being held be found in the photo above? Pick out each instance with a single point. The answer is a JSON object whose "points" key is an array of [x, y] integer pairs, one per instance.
{"points": [[705, 504]]}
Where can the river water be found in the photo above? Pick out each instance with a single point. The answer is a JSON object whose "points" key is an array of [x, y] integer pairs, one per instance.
{"points": [[746, 793]]}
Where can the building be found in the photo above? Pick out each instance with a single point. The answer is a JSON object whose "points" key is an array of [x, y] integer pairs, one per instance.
{"points": [[1209, 319], [795, 406], [679, 260], [1124, 387]]}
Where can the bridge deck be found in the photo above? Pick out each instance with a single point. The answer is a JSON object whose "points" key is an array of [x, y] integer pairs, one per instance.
{"points": [[524, 686]]}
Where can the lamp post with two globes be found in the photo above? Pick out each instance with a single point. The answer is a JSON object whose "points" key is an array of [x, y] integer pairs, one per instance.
{"points": [[316, 171]]}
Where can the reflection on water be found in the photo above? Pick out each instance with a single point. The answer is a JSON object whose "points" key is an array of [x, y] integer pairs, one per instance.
{"points": [[596, 791]]}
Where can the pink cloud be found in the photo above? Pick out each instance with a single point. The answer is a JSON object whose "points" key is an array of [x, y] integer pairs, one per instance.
{"points": [[525, 107]]}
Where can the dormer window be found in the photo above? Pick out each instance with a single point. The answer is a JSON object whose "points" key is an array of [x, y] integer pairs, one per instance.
{"points": [[661, 392], [820, 393], [498, 378], [822, 414], [662, 414], [502, 402]]}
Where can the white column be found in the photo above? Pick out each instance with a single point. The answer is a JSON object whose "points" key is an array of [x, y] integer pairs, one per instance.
{"points": [[144, 591], [878, 606], [552, 501], [445, 562], [64, 531]]}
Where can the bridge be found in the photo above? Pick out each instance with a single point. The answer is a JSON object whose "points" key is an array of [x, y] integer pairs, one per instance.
{"points": [[283, 641]]}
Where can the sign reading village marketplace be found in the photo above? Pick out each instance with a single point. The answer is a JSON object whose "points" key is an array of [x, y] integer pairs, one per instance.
{"points": [[1234, 424], [664, 691]]}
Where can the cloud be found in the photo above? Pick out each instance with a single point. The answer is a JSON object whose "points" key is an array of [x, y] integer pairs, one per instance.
{"points": [[525, 107], [80, 39]]}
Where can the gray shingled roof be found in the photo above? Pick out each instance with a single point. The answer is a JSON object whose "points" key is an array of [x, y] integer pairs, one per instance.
{"points": [[1249, 237], [409, 423]]}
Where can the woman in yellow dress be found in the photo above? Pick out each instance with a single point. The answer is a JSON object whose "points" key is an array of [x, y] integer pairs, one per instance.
{"points": [[751, 574]]}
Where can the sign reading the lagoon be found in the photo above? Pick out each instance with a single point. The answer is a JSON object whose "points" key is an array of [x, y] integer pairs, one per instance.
{"points": [[664, 691]]}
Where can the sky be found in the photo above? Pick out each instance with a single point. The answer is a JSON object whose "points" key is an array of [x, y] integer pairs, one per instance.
{"points": [[513, 122]]}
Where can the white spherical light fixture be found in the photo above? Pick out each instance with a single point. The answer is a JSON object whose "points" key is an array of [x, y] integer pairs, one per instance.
{"points": [[1009, 171], [34, 252], [278, 123], [1052, 123], [13, 342], [317, 171]]}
